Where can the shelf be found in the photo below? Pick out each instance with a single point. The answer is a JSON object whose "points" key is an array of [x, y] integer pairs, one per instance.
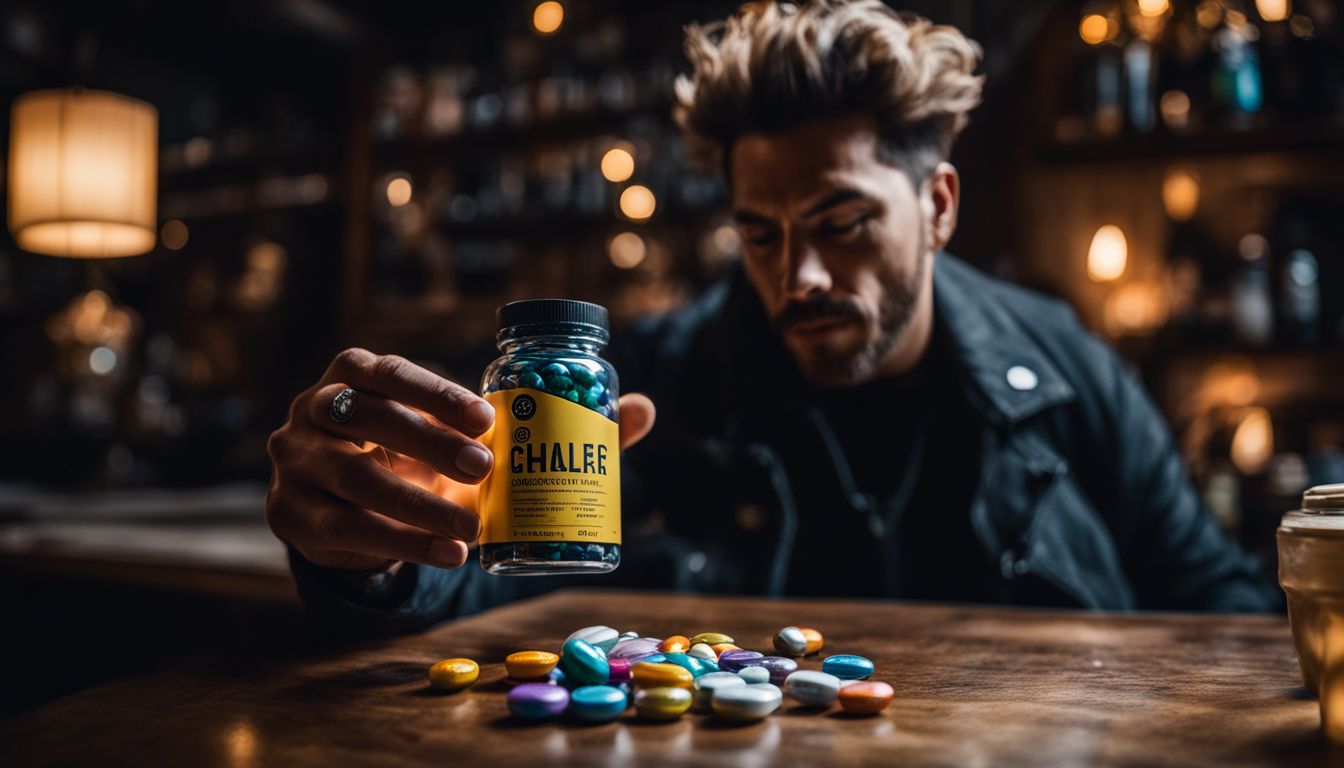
{"points": [[555, 225], [413, 151], [1322, 137]]}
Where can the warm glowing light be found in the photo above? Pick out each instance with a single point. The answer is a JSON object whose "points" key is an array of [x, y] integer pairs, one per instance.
{"points": [[174, 235], [637, 202], [1094, 29], [1136, 309], [83, 167], [1274, 10], [1107, 256], [240, 741], [399, 191], [1154, 7], [1175, 108], [547, 17], [1253, 441], [627, 250], [618, 164], [1209, 13], [1180, 194]]}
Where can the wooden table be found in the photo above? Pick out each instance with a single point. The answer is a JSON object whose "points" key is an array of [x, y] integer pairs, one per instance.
{"points": [[202, 541], [975, 686]]}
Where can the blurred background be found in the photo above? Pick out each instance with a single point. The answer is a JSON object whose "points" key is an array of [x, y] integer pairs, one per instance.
{"points": [[298, 176]]}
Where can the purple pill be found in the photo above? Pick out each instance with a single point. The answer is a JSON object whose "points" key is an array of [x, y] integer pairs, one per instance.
{"points": [[620, 671], [633, 650], [779, 667], [732, 661], [538, 701]]}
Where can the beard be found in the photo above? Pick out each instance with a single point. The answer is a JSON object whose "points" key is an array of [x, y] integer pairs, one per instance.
{"points": [[829, 367]]}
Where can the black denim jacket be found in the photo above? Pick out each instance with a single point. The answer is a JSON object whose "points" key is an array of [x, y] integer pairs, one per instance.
{"points": [[1082, 498]]}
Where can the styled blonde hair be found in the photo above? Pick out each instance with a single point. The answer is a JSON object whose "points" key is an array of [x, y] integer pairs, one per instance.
{"points": [[771, 66]]}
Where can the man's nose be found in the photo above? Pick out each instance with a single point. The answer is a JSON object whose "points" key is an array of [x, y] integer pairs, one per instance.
{"points": [[806, 273]]}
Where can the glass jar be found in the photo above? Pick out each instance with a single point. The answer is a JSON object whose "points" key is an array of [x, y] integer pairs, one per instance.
{"points": [[1311, 572], [551, 504]]}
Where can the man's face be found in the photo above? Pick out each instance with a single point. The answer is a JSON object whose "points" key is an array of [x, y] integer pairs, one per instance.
{"points": [[836, 242]]}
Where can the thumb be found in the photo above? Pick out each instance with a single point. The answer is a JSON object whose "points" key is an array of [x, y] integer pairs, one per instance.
{"points": [[637, 415]]}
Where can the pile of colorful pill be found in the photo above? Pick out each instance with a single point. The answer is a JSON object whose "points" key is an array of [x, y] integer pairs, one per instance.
{"points": [[599, 672], [575, 380]]}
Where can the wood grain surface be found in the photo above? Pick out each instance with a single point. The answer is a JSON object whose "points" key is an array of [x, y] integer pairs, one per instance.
{"points": [[974, 686]]}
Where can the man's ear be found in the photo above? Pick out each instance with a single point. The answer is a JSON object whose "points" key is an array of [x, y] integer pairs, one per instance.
{"points": [[944, 197]]}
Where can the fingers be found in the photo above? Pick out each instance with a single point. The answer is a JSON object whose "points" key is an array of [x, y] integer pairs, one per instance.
{"points": [[637, 416], [332, 533], [403, 430], [352, 475], [398, 379]]}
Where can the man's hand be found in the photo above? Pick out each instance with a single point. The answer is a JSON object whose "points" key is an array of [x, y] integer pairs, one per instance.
{"points": [[397, 481]]}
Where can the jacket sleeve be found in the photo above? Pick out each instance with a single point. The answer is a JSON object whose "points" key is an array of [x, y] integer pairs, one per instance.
{"points": [[1174, 551], [416, 597]]}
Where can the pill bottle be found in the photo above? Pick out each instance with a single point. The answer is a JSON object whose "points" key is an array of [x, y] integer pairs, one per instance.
{"points": [[551, 504], [1311, 572]]}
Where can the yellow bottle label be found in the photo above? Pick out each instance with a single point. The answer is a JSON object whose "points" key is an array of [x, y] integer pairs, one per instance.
{"points": [[557, 473]]}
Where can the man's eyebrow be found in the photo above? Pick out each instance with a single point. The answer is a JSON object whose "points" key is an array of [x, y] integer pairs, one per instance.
{"points": [[743, 216], [842, 195]]}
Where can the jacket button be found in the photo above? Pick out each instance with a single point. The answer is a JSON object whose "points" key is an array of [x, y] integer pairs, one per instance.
{"points": [[1011, 566], [1022, 378]]}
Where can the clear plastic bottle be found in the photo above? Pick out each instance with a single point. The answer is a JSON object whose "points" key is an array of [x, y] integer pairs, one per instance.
{"points": [[551, 505]]}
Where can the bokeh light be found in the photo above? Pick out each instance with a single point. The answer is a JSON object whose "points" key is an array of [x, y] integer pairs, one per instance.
{"points": [[618, 164], [637, 202], [627, 250], [547, 17], [399, 191], [1108, 254]]}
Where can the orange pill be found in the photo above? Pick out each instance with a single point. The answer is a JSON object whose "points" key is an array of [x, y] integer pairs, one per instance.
{"points": [[866, 698], [675, 644], [650, 674], [814, 639], [719, 648]]}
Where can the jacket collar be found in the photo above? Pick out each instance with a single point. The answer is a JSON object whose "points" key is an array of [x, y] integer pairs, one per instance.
{"points": [[1008, 368]]}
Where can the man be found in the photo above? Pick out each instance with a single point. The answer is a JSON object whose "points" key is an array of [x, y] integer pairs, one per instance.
{"points": [[852, 413]]}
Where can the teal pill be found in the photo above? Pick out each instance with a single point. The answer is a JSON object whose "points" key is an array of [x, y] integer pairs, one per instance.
{"points": [[558, 385], [582, 376], [754, 675], [572, 396], [551, 370], [597, 703], [583, 664], [697, 667], [589, 400], [847, 667], [601, 375], [531, 380]]}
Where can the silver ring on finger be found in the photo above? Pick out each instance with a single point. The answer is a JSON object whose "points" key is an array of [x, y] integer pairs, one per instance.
{"points": [[342, 406]]}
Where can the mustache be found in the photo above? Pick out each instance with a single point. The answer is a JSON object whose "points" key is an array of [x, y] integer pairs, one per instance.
{"points": [[822, 307]]}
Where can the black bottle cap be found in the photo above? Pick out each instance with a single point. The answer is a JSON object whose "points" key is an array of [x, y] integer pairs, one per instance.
{"points": [[539, 316]]}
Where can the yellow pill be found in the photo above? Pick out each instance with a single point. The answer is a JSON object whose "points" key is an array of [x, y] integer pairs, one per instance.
{"points": [[453, 674], [648, 674], [719, 648], [662, 703], [530, 665], [711, 638]]}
